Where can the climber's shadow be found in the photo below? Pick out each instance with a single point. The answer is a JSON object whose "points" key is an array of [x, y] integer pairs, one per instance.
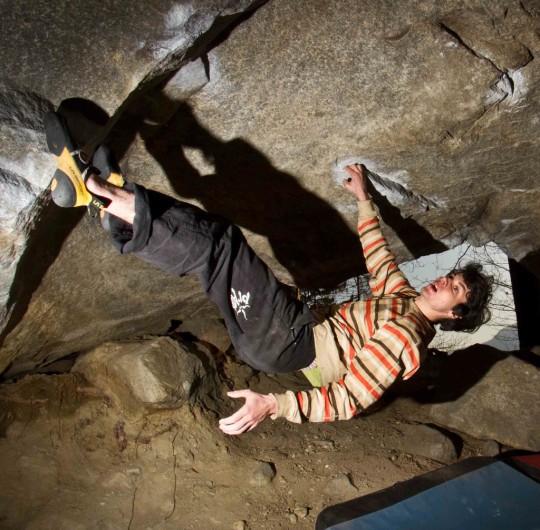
{"points": [[414, 236], [307, 235]]}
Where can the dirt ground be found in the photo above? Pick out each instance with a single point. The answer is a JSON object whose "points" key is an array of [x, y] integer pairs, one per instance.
{"points": [[71, 459]]}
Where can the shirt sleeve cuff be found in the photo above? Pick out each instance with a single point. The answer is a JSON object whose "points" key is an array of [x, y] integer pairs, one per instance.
{"points": [[287, 407], [366, 209]]}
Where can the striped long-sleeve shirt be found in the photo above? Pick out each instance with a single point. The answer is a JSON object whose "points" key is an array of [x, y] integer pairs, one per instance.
{"points": [[363, 347]]}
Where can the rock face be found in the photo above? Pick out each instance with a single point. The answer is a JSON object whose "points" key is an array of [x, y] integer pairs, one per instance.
{"points": [[152, 374], [439, 100], [503, 406], [480, 391], [425, 441], [98, 61]]}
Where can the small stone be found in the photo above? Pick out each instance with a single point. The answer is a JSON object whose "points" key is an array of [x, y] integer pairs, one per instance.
{"points": [[340, 486], [301, 513], [325, 444], [240, 525], [293, 518], [264, 474], [425, 441], [489, 447]]}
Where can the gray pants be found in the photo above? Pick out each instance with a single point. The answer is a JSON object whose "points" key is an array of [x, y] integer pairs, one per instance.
{"points": [[269, 328]]}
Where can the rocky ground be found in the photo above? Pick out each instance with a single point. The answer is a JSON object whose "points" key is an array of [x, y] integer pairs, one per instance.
{"points": [[71, 458]]}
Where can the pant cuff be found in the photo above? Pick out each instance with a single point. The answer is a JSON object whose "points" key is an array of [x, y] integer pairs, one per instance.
{"points": [[128, 238]]}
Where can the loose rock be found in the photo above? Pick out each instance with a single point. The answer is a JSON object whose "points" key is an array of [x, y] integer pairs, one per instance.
{"points": [[155, 372], [264, 474], [421, 440], [301, 513], [341, 486]]}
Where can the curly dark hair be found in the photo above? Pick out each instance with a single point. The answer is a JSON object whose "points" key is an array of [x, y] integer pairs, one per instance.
{"points": [[475, 311]]}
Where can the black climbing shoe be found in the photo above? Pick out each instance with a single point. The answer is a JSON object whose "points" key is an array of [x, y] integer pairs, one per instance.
{"points": [[108, 169], [68, 188]]}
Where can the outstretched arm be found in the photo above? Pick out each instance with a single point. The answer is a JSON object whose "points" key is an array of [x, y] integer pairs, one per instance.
{"points": [[393, 351], [386, 277], [256, 408], [357, 181]]}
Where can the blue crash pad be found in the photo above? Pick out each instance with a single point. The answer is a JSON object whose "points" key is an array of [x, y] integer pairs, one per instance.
{"points": [[493, 497]]}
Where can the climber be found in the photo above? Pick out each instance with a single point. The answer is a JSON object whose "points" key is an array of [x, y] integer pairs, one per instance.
{"points": [[351, 355]]}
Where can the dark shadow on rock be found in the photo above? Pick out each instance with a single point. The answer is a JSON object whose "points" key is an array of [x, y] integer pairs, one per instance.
{"points": [[52, 224], [444, 378], [525, 276], [415, 237], [307, 235], [237, 21]]}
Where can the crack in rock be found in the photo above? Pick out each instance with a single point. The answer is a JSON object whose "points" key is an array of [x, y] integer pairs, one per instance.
{"points": [[386, 185], [470, 49], [506, 85], [508, 56], [133, 500], [402, 191], [175, 459]]}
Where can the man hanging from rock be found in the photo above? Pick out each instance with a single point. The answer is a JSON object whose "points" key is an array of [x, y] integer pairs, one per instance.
{"points": [[351, 356]]}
